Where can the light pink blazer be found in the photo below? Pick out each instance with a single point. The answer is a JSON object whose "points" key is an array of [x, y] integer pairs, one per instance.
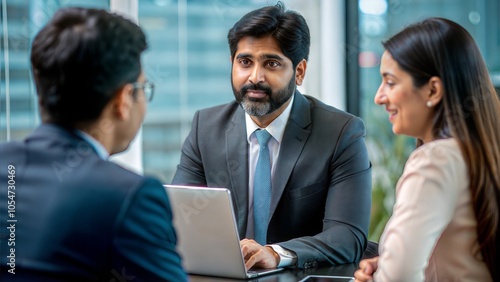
{"points": [[431, 235]]}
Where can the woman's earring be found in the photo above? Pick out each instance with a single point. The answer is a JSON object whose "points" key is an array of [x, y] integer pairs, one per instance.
{"points": [[429, 104]]}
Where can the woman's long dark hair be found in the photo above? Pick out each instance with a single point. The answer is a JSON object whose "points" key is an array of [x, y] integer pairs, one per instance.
{"points": [[469, 112]]}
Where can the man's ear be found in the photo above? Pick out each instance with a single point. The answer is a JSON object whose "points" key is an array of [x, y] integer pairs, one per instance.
{"points": [[300, 72], [435, 92], [122, 102]]}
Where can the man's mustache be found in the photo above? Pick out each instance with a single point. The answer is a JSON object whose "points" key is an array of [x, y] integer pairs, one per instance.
{"points": [[257, 86]]}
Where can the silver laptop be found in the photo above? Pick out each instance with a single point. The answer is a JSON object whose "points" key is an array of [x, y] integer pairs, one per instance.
{"points": [[207, 234]]}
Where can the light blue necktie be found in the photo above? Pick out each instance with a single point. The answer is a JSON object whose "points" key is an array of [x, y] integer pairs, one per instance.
{"points": [[262, 188]]}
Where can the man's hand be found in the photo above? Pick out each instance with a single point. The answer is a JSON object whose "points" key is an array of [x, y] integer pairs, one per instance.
{"points": [[366, 269], [258, 255]]}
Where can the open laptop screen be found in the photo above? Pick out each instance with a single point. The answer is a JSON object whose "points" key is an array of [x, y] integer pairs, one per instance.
{"points": [[207, 233]]}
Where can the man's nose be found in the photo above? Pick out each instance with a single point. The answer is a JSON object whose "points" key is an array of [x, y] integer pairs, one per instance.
{"points": [[257, 76]]}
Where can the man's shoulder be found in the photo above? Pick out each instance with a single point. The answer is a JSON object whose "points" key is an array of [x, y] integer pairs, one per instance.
{"points": [[9, 147], [69, 163], [318, 105], [220, 114], [11, 153], [114, 178], [221, 109], [321, 111]]}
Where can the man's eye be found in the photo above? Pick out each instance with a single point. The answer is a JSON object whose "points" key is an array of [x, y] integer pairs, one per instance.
{"points": [[245, 62], [273, 64]]}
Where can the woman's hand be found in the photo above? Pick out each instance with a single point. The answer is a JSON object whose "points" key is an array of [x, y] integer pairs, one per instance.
{"points": [[366, 269]]}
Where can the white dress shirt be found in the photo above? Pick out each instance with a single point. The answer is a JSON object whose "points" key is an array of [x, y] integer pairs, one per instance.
{"points": [[96, 145], [276, 129]]}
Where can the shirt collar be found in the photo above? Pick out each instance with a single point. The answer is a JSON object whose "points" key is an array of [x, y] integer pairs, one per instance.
{"points": [[98, 147], [276, 128]]}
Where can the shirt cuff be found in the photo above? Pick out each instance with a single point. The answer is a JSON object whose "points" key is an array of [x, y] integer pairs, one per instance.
{"points": [[287, 257]]}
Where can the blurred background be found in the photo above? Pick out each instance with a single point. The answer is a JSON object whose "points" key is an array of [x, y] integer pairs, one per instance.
{"points": [[188, 60]]}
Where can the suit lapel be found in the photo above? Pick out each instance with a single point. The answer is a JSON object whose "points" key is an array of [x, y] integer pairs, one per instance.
{"points": [[237, 164], [294, 139]]}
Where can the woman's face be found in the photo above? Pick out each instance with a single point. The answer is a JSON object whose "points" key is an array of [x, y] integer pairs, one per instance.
{"points": [[406, 105]]}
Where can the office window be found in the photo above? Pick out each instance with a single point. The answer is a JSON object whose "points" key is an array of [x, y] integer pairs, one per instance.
{"points": [[21, 20], [378, 20], [188, 60]]}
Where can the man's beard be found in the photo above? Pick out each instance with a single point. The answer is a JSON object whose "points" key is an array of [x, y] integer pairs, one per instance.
{"points": [[266, 105]]}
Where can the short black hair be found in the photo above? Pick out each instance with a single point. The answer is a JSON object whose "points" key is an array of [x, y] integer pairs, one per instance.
{"points": [[80, 59], [288, 28]]}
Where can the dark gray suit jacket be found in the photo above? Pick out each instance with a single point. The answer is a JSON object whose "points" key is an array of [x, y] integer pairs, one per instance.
{"points": [[321, 197], [81, 218]]}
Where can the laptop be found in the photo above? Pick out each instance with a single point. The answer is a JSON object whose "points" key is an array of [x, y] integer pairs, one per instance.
{"points": [[207, 234]]}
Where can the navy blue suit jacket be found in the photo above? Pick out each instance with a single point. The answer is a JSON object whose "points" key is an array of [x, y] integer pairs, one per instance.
{"points": [[321, 190], [81, 218]]}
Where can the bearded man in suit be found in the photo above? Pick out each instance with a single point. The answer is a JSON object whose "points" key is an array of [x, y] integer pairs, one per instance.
{"points": [[317, 202]]}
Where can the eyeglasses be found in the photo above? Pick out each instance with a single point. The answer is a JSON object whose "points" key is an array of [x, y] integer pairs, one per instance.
{"points": [[148, 87]]}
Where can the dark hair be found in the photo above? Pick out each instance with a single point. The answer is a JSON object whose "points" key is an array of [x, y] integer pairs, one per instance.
{"points": [[80, 59], [469, 112], [288, 28]]}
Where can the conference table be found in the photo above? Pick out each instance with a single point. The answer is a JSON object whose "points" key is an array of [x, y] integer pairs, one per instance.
{"points": [[288, 275]]}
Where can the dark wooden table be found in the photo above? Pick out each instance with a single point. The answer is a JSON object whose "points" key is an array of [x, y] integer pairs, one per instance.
{"points": [[288, 275]]}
